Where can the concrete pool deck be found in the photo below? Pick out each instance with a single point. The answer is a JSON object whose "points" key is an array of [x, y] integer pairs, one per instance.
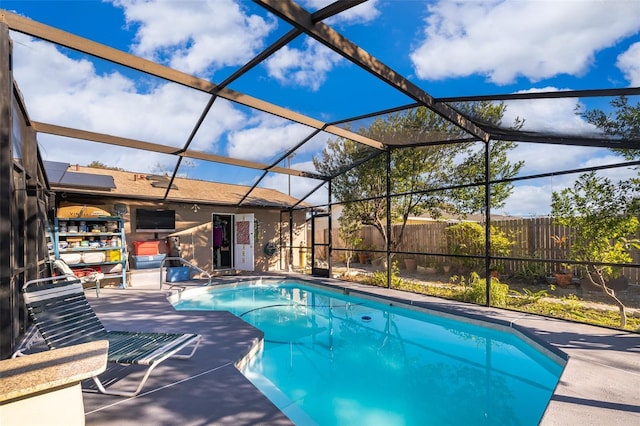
{"points": [[600, 383]]}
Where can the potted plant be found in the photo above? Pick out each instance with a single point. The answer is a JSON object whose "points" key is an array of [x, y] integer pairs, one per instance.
{"points": [[563, 277], [496, 270], [411, 264]]}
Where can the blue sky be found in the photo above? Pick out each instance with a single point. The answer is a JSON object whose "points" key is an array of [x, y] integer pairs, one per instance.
{"points": [[446, 48]]}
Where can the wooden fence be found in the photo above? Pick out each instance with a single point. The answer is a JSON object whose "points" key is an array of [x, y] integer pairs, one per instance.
{"points": [[535, 238]]}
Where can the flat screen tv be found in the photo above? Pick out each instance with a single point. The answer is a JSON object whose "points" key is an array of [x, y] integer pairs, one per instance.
{"points": [[155, 220]]}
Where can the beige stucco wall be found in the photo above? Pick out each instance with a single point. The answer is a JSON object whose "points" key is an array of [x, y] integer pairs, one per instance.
{"points": [[196, 242], [194, 229]]}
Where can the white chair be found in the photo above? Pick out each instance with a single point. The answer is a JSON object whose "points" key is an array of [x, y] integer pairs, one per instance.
{"points": [[89, 277]]}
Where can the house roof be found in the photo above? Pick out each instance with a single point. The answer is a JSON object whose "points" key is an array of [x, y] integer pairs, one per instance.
{"points": [[77, 179]]}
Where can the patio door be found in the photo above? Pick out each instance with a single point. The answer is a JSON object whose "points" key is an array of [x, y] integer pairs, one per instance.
{"points": [[232, 241], [244, 246], [320, 244]]}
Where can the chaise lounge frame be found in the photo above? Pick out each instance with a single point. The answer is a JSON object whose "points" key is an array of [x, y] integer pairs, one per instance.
{"points": [[63, 316]]}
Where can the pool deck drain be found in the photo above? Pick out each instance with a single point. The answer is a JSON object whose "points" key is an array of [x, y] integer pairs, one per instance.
{"points": [[599, 384]]}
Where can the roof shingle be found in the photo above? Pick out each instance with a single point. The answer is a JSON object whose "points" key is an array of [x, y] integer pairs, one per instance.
{"points": [[144, 186]]}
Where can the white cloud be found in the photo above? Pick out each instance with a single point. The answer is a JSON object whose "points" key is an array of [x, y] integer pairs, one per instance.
{"points": [[77, 96], [533, 198], [362, 13], [306, 67], [528, 200], [544, 158], [629, 64], [222, 117], [309, 65], [267, 137], [616, 174], [298, 186], [555, 116], [548, 115], [74, 94], [503, 40], [195, 36], [32, 57], [55, 148]]}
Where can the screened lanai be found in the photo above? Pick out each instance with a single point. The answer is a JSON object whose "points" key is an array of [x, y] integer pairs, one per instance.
{"points": [[498, 153]]}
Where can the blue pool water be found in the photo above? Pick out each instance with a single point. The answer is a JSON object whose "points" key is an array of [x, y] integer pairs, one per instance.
{"points": [[334, 359]]}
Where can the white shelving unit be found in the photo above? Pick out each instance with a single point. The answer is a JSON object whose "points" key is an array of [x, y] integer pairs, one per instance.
{"points": [[97, 243]]}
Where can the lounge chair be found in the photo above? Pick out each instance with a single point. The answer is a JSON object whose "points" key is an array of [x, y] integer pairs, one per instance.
{"points": [[63, 316]]}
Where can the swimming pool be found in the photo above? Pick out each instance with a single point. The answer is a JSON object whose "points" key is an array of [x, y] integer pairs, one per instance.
{"points": [[332, 358]]}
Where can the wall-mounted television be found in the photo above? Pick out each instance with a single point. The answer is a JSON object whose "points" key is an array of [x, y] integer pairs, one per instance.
{"points": [[155, 220]]}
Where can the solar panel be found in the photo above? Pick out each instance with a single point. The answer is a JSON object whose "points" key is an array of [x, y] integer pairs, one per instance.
{"points": [[58, 174], [88, 180], [55, 170]]}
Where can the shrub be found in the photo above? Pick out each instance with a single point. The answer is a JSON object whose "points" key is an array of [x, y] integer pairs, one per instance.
{"points": [[468, 238], [379, 278], [499, 292]]}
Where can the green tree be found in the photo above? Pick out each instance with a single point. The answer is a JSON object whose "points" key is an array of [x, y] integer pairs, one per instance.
{"points": [[416, 172], [471, 169], [601, 216]]}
